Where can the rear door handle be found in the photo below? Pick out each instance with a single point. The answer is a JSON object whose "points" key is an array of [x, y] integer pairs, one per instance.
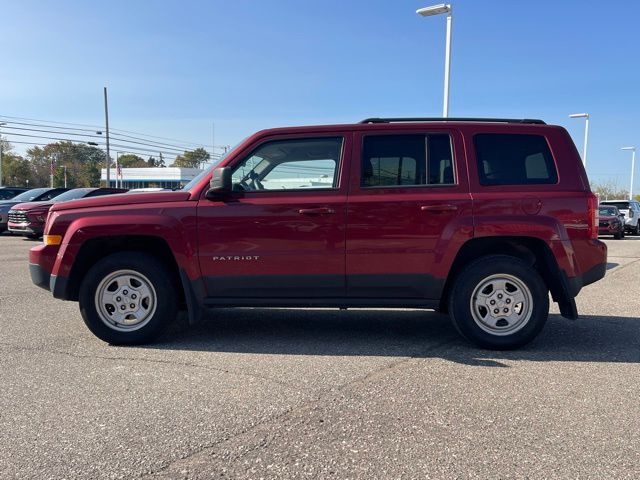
{"points": [[316, 211], [439, 208]]}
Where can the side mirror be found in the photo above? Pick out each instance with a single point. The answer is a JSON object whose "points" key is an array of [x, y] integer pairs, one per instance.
{"points": [[220, 184]]}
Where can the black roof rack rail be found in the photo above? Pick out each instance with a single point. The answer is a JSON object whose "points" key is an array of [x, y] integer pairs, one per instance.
{"points": [[453, 119]]}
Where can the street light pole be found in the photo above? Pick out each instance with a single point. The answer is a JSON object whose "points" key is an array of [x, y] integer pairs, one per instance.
{"points": [[1, 125], [586, 134], [65, 175], [633, 165], [437, 10], [106, 119]]}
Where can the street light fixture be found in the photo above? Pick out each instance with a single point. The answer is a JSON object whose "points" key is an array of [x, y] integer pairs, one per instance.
{"points": [[586, 134], [633, 164], [438, 10]]}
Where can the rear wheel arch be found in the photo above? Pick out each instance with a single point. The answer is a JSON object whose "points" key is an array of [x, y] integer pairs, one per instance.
{"points": [[533, 251]]}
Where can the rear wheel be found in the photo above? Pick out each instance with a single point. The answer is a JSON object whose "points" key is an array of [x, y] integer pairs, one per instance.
{"points": [[128, 298], [499, 302], [618, 235]]}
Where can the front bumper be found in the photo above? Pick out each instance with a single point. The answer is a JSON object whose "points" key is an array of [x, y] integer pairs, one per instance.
{"points": [[39, 276], [25, 228]]}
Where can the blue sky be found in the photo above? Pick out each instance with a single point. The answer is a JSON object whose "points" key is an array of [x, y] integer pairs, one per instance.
{"points": [[174, 67]]}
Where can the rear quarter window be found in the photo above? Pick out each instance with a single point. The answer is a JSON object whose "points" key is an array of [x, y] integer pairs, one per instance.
{"points": [[514, 159]]}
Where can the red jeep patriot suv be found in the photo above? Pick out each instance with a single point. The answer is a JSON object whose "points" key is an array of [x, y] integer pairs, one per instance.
{"points": [[480, 218]]}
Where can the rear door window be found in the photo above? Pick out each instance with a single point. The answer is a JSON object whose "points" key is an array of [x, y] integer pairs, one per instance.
{"points": [[514, 159], [406, 160]]}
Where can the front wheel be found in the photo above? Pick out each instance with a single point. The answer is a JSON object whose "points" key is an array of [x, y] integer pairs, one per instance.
{"points": [[128, 298], [499, 302]]}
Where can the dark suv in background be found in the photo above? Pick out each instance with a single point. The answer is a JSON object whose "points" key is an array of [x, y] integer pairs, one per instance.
{"points": [[475, 217]]}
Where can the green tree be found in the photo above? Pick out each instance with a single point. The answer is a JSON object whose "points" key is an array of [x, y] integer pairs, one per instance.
{"points": [[154, 162], [83, 164], [191, 158], [130, 160], [16, 171]]}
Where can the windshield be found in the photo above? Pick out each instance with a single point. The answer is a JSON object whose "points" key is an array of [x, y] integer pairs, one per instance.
{"points": [[72, 195], [607, 211], [29, 195], [204, 172]]}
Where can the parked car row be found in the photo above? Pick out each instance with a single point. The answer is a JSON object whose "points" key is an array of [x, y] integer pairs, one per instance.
{"points": [[618, 217], [26, 213]]}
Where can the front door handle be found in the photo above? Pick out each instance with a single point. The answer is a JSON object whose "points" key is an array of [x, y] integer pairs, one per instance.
{"points": [[439, 208], [316, 211]]}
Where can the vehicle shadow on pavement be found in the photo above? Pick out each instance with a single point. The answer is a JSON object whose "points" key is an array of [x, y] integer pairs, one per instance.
{"points": [[420, 334]]}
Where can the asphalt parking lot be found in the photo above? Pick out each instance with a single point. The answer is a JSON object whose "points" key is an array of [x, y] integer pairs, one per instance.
{"points": [[319, 393]]}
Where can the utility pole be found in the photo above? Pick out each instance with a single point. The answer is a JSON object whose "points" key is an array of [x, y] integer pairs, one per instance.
{"points": [[106, 119], [65, 175], [1, 124], [51, 169]]}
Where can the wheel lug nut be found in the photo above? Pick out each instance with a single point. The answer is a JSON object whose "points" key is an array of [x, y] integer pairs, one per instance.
{"points": [[132, 305], [499, 295], [496, 311], [134, 296], [506, 310], [125, 292], [122, 307], [118, 299], [492, 302], [508, 301]]}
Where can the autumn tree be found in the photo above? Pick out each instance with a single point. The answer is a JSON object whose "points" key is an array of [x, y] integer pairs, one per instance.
{"points": [[609, 190]]}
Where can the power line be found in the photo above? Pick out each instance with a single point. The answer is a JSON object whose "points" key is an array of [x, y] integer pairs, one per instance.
{"points": [[155, 148], [98, 127], [95, 135], [126, 147]]}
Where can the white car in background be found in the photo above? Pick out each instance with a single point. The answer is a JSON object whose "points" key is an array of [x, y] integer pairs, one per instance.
{"points": [[631, 211]]}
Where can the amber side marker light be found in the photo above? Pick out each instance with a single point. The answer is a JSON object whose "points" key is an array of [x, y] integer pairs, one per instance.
{"points": [[52, 239]]}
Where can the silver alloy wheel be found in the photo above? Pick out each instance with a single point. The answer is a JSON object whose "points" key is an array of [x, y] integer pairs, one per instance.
{"points": [[125, 300], [501, 304]]}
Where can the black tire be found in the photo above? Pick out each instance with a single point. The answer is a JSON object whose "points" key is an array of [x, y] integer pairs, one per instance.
{"points": [[134, 269], [636, 230], [525, 325], [618, 235]]}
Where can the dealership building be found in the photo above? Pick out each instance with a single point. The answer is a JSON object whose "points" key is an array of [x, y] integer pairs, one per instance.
{"points": [[168, 177]]}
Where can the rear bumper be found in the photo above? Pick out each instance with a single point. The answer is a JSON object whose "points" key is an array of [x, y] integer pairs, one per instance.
{"points": [[590, 276]]}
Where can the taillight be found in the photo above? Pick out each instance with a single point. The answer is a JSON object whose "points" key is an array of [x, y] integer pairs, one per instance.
{"points": [[592, 213]]}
